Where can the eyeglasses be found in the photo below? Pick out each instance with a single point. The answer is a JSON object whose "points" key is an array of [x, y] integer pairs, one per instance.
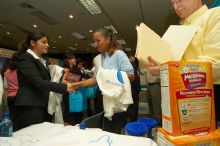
{"points": [[176, 2]]}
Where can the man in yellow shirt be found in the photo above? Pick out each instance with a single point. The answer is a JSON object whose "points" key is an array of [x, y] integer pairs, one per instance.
{"points": [[205, 46]]}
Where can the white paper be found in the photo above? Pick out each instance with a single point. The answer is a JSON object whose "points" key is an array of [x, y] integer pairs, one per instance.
{"points": [[179, 37], [169, 48], [151, 44]]}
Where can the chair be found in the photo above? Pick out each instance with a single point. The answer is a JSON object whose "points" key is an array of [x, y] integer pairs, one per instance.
{"points": [[95, 121]]}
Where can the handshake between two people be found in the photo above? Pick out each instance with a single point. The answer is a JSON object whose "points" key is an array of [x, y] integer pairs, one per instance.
{"points": [[71, 87]]}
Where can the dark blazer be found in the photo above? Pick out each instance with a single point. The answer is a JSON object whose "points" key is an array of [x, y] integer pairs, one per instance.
{"points": [[34, 82]]}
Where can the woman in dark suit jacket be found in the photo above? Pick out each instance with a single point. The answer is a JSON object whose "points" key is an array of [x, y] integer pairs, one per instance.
{"points": [[34, 82]]}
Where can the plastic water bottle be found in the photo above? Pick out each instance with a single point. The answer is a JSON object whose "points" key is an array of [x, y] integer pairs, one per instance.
{"points": [[6, 127]]}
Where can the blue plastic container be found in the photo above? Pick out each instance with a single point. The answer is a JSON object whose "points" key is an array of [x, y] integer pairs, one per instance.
{"points": [[136, 129], [152, 126]]}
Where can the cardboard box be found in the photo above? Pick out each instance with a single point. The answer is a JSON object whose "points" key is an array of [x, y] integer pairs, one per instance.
{"points": [[201, 139], [187, 97]]}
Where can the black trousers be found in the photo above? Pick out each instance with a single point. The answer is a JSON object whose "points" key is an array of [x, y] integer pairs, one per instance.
{"points": [[29, 115], [98, 102], [11, 107], [132, 111], [116, 124], [217, 102]]}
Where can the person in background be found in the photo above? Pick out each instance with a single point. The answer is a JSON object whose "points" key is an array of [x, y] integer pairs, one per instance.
{"points": [[11, 85], [112, 58], [80, 64], [71, 74], [34, 82], [154, 96], [52, 61], [135, 88], [1, 95], [205, 45], [70, 62]]}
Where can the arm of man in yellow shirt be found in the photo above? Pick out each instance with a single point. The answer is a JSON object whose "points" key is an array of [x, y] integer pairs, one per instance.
{"points": [[211, 46]]}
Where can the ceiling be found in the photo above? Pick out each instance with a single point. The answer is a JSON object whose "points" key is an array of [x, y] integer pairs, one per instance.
{"points": [[18, 17]]}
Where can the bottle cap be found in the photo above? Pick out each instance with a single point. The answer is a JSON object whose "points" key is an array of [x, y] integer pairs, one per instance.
{"points": [[136, 129], [151, 123], [82, 125], [5, 115]]}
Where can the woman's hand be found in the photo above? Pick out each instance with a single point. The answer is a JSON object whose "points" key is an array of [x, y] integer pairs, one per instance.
{"points": [[71, 87]]}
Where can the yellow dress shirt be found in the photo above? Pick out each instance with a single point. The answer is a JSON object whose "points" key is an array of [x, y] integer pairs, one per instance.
{"points": [[205, 45]]}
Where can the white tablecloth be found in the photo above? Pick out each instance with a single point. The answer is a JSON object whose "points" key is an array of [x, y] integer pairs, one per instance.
{"points": [[49, 134]]}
